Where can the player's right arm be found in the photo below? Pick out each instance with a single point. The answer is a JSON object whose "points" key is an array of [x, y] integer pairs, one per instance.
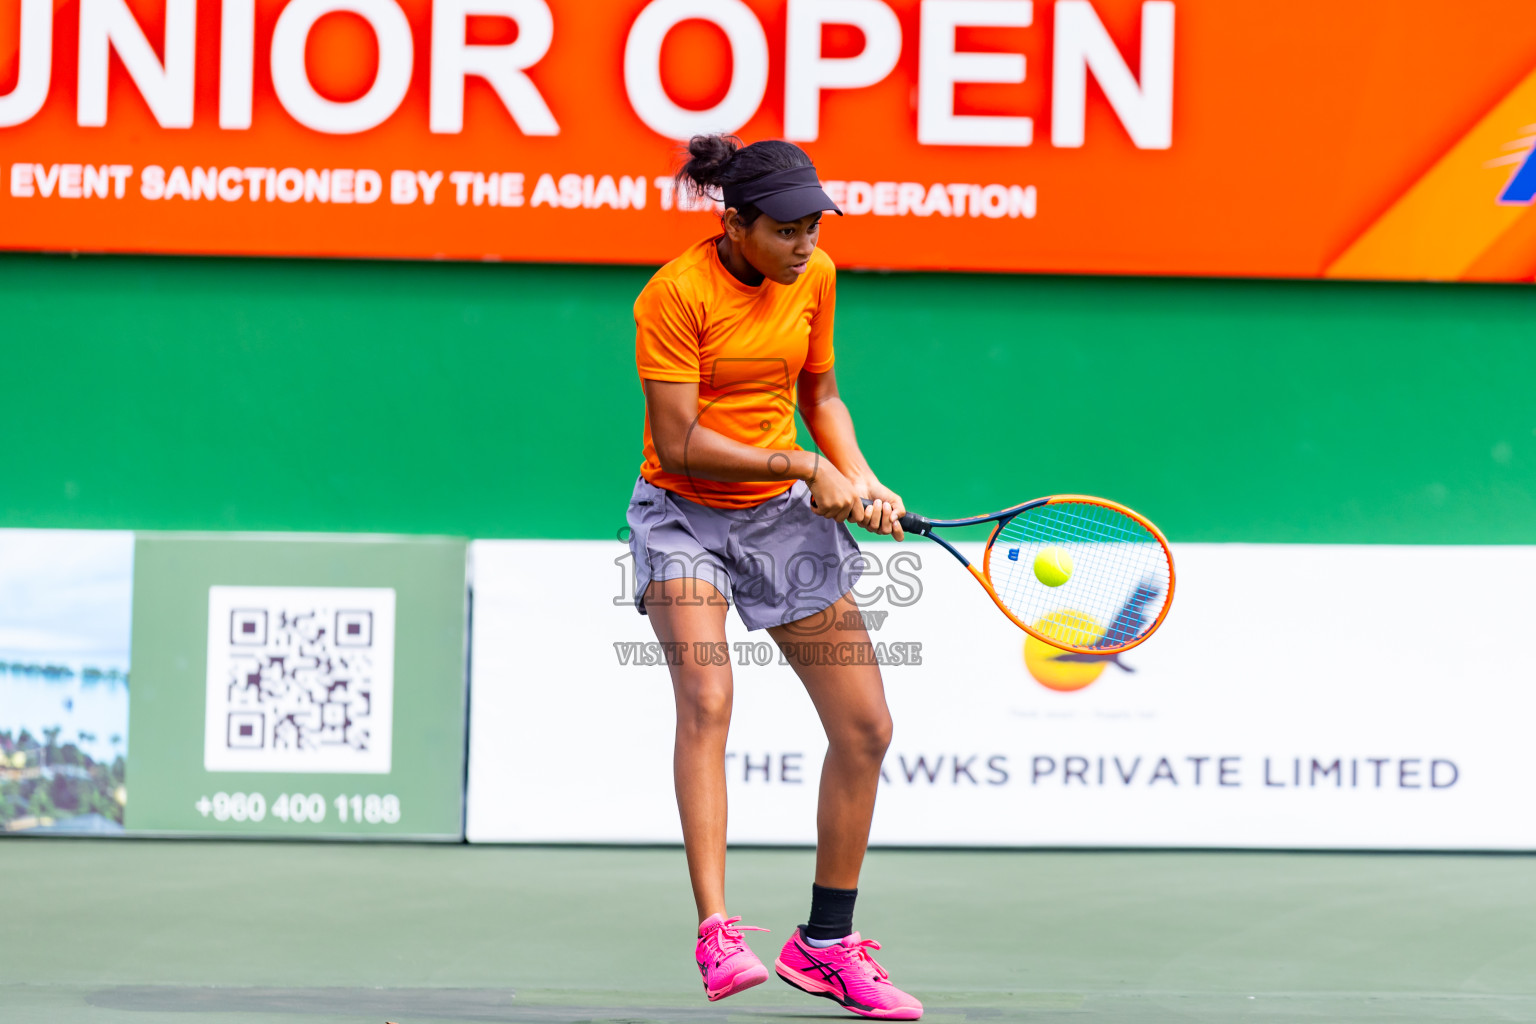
{"points": [[668, 324], [685, 446]]}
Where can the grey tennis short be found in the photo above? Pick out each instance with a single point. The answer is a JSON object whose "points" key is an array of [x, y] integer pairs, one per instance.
{"points": [[777, 561]]}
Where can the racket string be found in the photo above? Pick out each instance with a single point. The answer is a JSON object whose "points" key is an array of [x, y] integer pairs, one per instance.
{"points": [[1118, 585]]}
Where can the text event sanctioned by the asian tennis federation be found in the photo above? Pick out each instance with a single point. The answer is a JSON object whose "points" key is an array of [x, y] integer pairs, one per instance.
{"points": [[1119, 136]]}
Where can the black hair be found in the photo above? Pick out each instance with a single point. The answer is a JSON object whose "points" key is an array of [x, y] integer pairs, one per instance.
{"points": [[715, 161]]}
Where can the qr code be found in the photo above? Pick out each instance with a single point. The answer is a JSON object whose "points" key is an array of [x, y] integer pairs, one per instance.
{"points": [[300, 679]]}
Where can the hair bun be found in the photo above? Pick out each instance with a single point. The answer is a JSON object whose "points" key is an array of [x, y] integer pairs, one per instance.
{"points": [[708, 157]]}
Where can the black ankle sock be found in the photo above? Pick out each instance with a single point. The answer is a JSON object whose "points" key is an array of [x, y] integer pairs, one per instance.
{"points": [[831, 912]]}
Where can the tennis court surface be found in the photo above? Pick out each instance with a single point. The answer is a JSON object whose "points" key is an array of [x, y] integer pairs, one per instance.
{"points": [[257, 932]]}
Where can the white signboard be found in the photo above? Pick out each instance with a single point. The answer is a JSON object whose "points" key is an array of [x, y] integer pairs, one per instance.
{"points": [[1297, 696]]}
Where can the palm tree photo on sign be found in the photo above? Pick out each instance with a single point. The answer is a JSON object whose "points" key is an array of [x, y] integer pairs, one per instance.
{"points": [[65, 599]]}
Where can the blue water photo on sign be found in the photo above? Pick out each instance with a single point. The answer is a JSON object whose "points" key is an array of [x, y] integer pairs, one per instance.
{"points": [[65, 610]]}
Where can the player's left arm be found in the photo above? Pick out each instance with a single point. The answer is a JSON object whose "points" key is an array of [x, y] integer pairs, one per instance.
{"points": [[831, 425]]}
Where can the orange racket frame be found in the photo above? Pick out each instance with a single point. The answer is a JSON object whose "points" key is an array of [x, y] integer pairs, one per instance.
{"points": [[913, 523]]}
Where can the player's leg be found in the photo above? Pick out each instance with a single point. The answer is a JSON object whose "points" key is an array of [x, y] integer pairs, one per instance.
{"points": [[828, 958], [682, 583], [850, 700], [685, 612], [793, 573]]}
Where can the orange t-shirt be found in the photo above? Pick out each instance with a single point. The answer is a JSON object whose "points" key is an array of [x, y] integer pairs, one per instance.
{"points": [[745, 346]]}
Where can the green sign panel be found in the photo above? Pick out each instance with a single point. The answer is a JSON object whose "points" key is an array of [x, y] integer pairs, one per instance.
{"points": [[292, 686]]}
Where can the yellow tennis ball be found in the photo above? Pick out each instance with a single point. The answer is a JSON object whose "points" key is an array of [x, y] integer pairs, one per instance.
{"points": [[1053, 566]]}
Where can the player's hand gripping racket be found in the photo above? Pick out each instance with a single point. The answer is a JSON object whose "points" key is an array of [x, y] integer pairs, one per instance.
{"points": [[1085, 575]]}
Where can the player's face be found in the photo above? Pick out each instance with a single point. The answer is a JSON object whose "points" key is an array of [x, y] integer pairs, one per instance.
{"points": [[780, 250]]}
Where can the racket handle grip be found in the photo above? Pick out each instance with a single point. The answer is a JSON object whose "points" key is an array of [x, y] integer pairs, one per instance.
{"points": [[911, 522]]}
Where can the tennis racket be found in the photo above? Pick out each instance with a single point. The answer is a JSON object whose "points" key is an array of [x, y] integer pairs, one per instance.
{"points": [[1119, 571]]}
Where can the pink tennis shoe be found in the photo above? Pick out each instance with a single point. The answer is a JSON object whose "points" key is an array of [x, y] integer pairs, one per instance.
{"points": [[724, 960], [848, 975]]}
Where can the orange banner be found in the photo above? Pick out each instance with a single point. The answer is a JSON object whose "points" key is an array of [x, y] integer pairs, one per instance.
{"points": [[1382, 139]]}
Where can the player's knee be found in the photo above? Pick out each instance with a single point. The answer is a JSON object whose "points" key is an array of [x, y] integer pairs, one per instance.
{"points": [[868, 736], [705, 707], [878, 736]]}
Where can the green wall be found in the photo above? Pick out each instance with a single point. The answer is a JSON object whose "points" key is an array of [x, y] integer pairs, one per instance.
{"points": [[495, 400]]}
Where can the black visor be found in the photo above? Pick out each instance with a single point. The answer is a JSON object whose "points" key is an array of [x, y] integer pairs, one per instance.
{"points": [[785, 195]]}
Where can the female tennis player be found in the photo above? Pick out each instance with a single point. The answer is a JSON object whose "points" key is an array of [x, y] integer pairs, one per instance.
{"points": [[728, 508]]}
